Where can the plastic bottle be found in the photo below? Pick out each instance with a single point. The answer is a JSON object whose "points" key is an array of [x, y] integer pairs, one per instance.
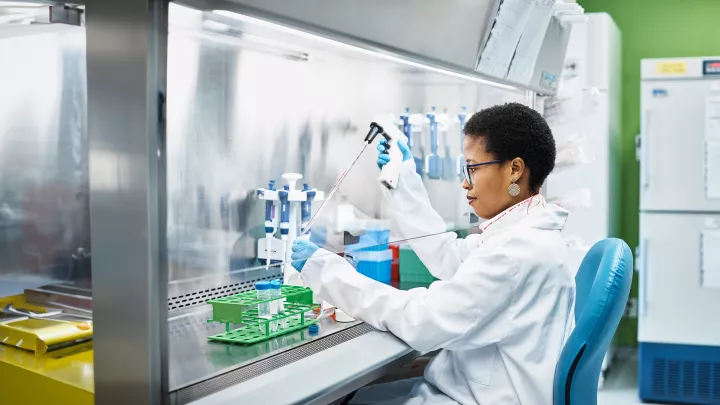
{"points": [[263, 293], [279, 303]]}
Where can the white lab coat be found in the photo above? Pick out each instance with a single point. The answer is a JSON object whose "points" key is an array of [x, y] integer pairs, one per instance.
{"points": [[501, 310]]}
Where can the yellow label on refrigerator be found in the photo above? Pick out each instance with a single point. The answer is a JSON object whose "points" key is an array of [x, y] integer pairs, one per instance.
{"points": [[672, 68]]}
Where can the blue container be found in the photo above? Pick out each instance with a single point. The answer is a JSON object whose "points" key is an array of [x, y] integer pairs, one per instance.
{"points": [[373, 240], [375, 265]]}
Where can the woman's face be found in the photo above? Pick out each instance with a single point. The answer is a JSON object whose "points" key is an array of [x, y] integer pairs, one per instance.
{"points": [[488, 194]]}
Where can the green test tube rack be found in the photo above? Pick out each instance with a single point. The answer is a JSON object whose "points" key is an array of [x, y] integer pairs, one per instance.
{"points": [[241, 309]]}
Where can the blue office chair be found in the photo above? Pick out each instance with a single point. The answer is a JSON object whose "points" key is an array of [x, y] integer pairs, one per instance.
{"points": [[603, 285]]}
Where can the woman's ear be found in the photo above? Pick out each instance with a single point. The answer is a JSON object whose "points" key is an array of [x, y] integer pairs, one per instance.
{"points": [[518, 168]]}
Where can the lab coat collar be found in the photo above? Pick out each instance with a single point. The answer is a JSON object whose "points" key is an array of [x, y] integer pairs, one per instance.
{"points": [[535, 210]]}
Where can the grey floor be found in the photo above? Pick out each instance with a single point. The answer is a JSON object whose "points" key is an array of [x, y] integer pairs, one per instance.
{"points": [[621, 384]]}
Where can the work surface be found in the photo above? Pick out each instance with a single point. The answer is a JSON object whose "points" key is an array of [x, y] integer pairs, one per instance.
{"points": [[341, 358]]}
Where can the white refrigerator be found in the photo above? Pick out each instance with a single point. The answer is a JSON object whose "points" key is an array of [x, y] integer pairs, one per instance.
{"points": [[679, 298]]}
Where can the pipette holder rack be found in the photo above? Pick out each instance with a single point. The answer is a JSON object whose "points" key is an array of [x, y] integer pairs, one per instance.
{"points": [[242, 309], [280, 250]]}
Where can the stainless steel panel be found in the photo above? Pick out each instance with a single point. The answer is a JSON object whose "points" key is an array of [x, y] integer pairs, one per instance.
{"points": [[44, 215], [197, 361], [126, 63]]}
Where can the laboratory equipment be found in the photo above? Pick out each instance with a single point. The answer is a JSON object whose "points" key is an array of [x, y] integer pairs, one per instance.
{"points": [[460, 161], [295, 206], [284, 221], [433, 163], [390, 172], [306, 207], [409, 124], [372, 255], [279, 303], [271, 219], [679, 344], [448, 161], [376, 265], [274, 295], [264, 295], [245, 309]]}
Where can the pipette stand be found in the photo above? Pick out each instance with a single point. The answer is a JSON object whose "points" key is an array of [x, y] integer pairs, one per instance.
{"points": [[281, 250]]}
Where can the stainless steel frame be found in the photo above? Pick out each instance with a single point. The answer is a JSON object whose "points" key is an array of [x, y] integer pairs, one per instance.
{"points": [[126, 60]]}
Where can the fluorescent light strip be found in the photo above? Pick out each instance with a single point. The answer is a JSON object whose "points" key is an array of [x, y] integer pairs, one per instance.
{"points": [[353, 48], [20, 4]]}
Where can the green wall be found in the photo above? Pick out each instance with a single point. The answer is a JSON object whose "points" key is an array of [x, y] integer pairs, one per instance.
{"points": [[651, 29]]}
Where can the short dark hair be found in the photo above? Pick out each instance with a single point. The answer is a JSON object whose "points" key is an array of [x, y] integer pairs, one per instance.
{"points": [[513, 130]]}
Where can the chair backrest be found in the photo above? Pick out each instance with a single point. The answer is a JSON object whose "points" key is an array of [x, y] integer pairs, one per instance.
{"points": [[603, 285]]}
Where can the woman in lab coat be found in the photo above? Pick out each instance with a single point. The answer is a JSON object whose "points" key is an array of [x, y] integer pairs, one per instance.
{"points": [[503, 305]]}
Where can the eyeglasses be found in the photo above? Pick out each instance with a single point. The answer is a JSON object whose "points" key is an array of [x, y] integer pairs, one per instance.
{"points": [[468, 174]]}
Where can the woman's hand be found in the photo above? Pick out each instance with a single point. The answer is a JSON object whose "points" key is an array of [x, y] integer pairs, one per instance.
{"points": [[384, 157], [302, 250]]}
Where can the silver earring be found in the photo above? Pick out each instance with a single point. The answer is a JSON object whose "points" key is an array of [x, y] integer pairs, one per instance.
{"points": [[514, 189]]}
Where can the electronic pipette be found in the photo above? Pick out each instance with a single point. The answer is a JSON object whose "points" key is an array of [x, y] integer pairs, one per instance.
{"points": [[390, 172]]}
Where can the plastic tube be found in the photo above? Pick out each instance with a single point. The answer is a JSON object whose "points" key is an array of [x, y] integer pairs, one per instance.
{"points": [[279, 303], [263, 293], [274, 293]]}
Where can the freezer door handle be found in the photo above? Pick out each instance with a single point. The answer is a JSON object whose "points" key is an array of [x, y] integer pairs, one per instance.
{"points": [[643, 277], [645, 150]]}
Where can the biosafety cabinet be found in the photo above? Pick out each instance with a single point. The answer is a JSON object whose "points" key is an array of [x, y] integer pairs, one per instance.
{"points": [[134, 137], [679, 152]]}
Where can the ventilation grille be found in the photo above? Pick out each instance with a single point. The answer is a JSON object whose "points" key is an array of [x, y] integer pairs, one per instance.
{"points": [[686, 380], [201, 297], [190, 326]]}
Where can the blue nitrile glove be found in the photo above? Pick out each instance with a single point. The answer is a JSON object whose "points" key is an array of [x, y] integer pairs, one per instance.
{"points": [[384, 157], [302, 250]]}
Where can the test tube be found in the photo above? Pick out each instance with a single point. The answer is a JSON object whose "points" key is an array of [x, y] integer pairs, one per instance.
{"points": [[279, 303], [274, 294], [263, 293]]}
